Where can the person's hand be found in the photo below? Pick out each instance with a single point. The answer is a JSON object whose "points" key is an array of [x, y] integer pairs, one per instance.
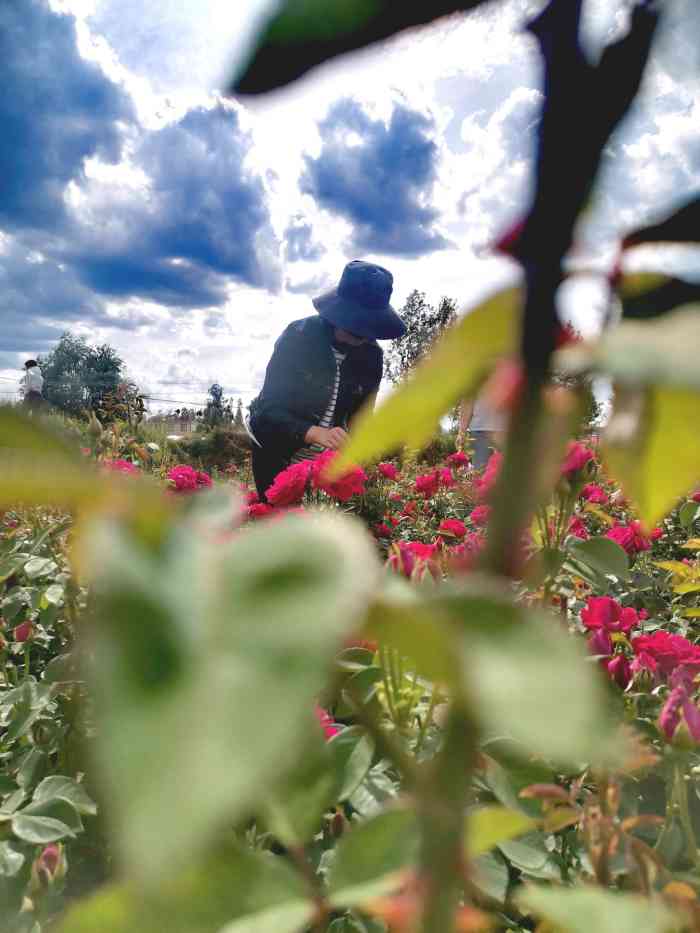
{"points": [[334, 438]]}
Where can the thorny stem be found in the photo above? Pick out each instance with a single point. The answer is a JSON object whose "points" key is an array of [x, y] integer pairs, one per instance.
{"points": [[443, 797], [680, 798]]}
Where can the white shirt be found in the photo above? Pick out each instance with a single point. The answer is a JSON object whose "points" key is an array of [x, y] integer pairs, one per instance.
{"points": [[32, 381], [485, 419]]}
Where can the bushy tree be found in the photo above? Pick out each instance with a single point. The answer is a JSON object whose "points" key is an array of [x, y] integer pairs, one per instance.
{"points": [[424, 323], [78, 377]]}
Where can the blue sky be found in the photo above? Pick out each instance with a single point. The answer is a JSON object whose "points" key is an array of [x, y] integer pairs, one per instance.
{"points": [[141, 208]]}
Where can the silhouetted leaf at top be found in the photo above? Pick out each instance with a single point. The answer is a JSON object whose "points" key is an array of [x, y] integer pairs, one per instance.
{"points": [[305, 33], [683, 226], [647, 295]]}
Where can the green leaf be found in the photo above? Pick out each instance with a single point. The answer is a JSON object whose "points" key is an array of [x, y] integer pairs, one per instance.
{"points": [[452, 370], [602, 555], [371, 857], [55, 594], [231, 885], [580, 910], [688, 514], [293, 917], [39, 829], [293, 811], [58, 787], [9, 566], [33, 768], [531, 857], [532, 681], [56, 809], [374, 793], [352, 751], [39, 567], [237, 638], [490, 875], [509, 769], [490, 825], [304, 33], [638, 442], [10, 860]]}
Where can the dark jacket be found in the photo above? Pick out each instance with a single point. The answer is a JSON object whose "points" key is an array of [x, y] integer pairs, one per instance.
{"points": [[298, 387]]}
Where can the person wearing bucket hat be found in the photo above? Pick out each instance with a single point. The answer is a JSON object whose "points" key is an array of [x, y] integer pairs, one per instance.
{"points": [[322, 370]]}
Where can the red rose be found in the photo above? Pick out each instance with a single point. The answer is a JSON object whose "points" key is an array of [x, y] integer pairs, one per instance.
{"points": [[480, 515], [24, 631], [453, 527], [388, 471], [289, 486], [576, 459], [428, 483], [351, 483], [594, 493], [458, 459]]}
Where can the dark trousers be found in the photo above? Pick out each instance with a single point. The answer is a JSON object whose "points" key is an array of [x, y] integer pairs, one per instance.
{"points": [[266, 466], [33, 400]]}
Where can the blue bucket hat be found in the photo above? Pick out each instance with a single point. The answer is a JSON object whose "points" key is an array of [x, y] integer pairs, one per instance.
{"points": [[360, 303]]}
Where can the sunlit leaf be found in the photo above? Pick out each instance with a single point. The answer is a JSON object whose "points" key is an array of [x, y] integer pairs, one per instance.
{"points": [[532, 681], [234, 638], [371, 857], [452, 371], [582, 909], [238, 885], [304, 33], [490, 825], [659, 459]]}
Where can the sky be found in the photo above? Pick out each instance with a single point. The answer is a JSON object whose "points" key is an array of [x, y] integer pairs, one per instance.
{"points": [[141, 208]]}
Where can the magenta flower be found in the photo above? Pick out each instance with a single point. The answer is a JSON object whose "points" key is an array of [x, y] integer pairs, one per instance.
{"points": [[619, 670], [595, 494], [453, 527], [578, 529], [458, 459], [603, 612], [121, 466], [351, 483], [388, 471], [480, 515], [428, 483], [576, 459], [630, 538], [289, 486]]}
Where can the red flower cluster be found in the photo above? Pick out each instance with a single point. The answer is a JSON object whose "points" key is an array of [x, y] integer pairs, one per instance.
{"points": [[428, 484], [630, 537], [409, 556], [576, 459], [662, 652], [577, 528], [289, 486], [121, 466], [453, 528], [458, 459], [185, 479], [480, 515], [595, 494], [351, 483], [388, 471], [259, 510], [604, 612]]}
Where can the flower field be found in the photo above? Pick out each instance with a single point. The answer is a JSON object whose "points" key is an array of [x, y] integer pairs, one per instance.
{"points": [[581, 678]]}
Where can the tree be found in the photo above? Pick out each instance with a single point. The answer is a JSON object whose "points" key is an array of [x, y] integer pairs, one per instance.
{"points": [[78, 377], [424, 324], [238, 418]]}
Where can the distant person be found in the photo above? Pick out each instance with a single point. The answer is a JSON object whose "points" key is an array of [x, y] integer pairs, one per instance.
{"points": [[323, 369], [485, 426], [31, 385]]}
